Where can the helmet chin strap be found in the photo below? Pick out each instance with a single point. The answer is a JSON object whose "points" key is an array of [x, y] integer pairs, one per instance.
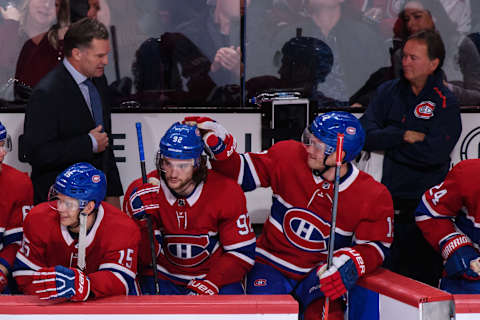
{"points": [[319, 173]]}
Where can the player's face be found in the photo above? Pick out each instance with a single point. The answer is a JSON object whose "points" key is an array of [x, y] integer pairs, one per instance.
{"points": [[68, 210], [416, 18], [315, 151], [416, 64], [92, 60], [5, 147], [178, 174]]}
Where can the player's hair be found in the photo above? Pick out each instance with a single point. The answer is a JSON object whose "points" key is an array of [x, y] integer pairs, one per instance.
{"points": [[81, 33], [434, 42]]}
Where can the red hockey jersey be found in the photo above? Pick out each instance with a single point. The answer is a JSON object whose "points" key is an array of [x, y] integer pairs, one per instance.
{"points": [[296, 235], [453, 206], [15, 202], [111, 251], [207, 235]]}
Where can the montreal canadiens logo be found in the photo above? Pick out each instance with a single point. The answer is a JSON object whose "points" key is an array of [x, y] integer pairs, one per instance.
{"points": [[424, 110], [351, 130], [260, 283], [305, 230], [186, 250], [96, 178]]}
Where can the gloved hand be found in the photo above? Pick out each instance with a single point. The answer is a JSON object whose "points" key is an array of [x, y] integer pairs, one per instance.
{"points": [[61, 282], [347, 267], [3, 281], [202, 287], [143, 200], [462, 259], [219, 142]]}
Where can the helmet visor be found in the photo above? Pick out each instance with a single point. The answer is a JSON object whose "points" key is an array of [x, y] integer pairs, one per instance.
{"points": [[308, 139], [61, 202], [169, 165]]}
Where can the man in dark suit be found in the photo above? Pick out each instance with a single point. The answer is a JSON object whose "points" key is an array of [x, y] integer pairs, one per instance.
{"points": [[67, 118]]}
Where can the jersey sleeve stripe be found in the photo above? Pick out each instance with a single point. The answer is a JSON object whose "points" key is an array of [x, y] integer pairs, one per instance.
{"points": [[242, 257], [252, 170], [30, 265], [13, 231], [285, 264], [240, 244], [241, 171], [119, 276], [117, 267]]}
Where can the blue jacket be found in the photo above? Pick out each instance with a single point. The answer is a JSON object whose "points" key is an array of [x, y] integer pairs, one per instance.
{"points": [[410, 169]]}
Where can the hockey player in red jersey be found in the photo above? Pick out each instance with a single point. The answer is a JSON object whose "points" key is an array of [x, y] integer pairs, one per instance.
{"points": [[75, 246], [200, 218], [291, 252], [449, 217], [16, 200]]}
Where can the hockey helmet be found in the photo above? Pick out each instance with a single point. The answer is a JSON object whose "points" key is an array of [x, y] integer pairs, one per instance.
{"points": [[313, 52], [5, 137], [326, 126], [181, 141], [81, 181]]}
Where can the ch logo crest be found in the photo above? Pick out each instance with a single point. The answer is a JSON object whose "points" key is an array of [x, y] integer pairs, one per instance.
{"points": [[186, 251], [306, 230]]}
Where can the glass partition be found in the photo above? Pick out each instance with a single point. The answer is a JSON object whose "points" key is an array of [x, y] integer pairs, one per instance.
{"points": [[223, 53]]}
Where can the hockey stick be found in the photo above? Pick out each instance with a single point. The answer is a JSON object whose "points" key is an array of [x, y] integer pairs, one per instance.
{"points": [[82, 242], [149, 220], [333, 223]]}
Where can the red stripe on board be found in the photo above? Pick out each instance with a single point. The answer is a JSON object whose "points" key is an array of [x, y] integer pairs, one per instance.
{"points": [[402, 288], [231, 304], [467, 303]]}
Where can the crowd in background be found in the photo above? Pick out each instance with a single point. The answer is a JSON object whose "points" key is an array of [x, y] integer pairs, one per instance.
{"points": [[214, 52]]}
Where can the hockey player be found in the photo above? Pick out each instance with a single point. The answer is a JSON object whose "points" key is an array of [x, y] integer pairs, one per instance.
{"points": [[449, 217], [59, 261], [291, 252], [200, 218], [16, 200]]}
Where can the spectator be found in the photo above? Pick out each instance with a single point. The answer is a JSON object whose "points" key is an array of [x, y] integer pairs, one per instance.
{"points": [[57, 259], [306, 62], [9, 30], [292, 249], [17, 199], [56, 134], [353, 60], [196, 210], [44, 51], [448, 216], [216, 33], [416, 121]]}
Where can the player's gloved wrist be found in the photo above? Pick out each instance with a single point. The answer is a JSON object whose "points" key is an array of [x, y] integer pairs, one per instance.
{"points": [[202, 287], [458, 251], [219, 143], [3, 281], [307, 290], [143, 200], [61, 282], [347, 266]]}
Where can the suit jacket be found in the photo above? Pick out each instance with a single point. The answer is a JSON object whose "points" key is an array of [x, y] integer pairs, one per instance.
{"points": [[56, 127]]}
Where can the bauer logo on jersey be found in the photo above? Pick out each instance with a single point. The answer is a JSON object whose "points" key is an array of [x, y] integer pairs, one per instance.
{"points": [[186, 251], [424, 110], [96, 178], [306, 230]]}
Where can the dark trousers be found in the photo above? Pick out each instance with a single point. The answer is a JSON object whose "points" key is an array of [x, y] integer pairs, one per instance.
{"points": [[410, 254]]}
